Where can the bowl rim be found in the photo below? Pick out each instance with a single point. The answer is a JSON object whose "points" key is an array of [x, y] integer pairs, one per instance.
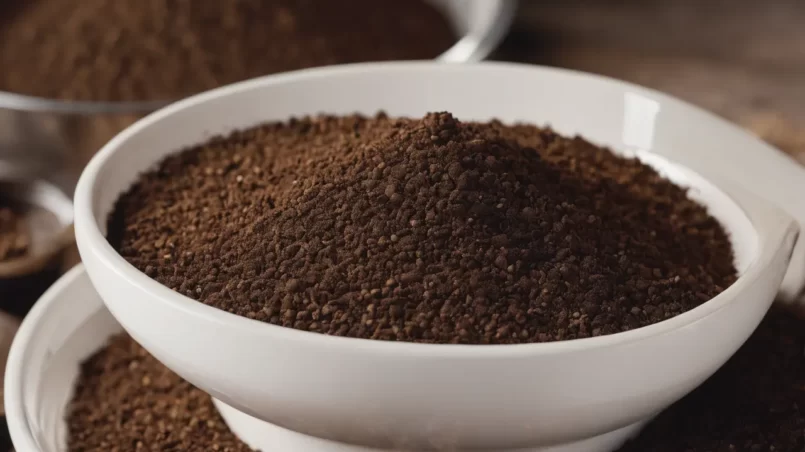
{"points": [[13, 383], [471, 47], [92, 240]]}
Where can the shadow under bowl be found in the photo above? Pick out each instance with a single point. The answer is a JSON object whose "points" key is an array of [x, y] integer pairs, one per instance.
{"points": [[389, 394]]}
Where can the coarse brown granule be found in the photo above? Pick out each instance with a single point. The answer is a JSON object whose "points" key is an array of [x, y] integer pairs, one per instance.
{"points": [[133, 50], [14, 237], [756, 402], [427, 230], [126, 400]]}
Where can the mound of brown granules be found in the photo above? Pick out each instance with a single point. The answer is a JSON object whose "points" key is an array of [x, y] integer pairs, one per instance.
{"points": [[756, 402], [428, 230], [126, 400], [129, 50]]}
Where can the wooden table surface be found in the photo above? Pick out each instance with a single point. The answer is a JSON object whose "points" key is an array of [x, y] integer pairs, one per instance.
{"points": [[742, 59]]}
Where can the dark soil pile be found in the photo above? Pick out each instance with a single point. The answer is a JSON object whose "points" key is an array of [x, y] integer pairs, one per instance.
{"points": [[428, 230]]}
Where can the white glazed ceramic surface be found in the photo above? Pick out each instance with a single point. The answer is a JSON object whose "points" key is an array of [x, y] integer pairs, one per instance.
{"points": [[57, 337], [8, 328], [482, 24], [66, 326], [264, 436], [494, 397]]}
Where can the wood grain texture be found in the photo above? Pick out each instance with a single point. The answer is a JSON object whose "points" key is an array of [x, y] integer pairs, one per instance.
{"points": [[742, 59]]}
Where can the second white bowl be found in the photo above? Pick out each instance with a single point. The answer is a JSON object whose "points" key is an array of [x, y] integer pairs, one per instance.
{"points": [[416, 395]]}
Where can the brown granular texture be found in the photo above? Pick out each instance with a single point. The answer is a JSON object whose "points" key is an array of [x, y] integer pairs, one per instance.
{"points": [[129, 50], [14, 235], [756, 402], [427, 230], [126, 400]]}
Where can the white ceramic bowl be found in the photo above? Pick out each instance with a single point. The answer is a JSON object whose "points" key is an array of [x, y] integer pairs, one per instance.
{"points": [[68, 324], [480, 397], [481, 25]]}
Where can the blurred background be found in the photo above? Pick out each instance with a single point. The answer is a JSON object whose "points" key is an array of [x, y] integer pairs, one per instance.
{"points": [[742, 59]]}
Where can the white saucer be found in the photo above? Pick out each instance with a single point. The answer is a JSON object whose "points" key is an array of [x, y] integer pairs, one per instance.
{"points": [[69, 323], [264, 436]]}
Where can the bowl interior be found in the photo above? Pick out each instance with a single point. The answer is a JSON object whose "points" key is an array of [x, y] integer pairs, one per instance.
{"points": [[68, 325], [742, 234], [629, 122]]}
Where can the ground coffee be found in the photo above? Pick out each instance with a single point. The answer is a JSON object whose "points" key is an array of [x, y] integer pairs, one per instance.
{"points": [[125, 400], [428, 230], [14, 236], [756, 402], [128, 50]]}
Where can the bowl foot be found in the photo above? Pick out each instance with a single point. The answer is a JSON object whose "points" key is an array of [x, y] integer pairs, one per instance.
{"points": [[265, 436]]}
